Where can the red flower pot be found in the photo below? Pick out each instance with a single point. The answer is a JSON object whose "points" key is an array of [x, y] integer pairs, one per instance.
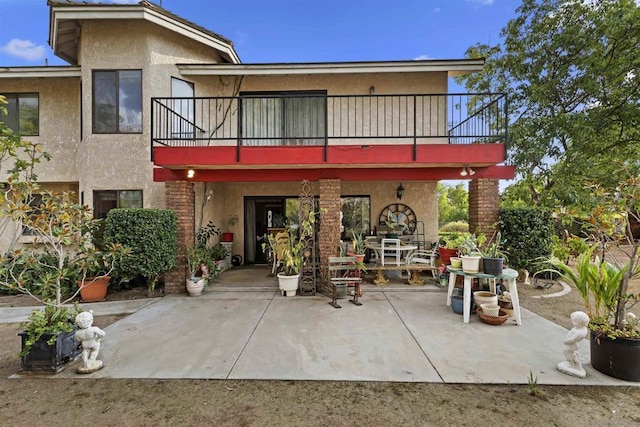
{"points": [[94, 288]]}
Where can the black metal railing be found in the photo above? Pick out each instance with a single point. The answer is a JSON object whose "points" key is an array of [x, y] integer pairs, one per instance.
{"points": [[318, 119]]}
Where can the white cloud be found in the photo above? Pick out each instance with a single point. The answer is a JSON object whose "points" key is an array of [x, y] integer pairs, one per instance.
{"points": [[24, 49], [422, 58]]}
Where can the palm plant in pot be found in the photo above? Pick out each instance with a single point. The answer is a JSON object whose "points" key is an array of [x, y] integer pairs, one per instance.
{"points": [[358, 246], [604, 285], [291, 250]]}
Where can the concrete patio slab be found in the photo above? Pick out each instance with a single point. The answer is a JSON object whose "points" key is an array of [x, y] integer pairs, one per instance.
{"points": [[396, 335]]}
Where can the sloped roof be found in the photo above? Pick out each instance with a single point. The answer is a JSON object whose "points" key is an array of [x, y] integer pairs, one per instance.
{"points": [[65, 19]]}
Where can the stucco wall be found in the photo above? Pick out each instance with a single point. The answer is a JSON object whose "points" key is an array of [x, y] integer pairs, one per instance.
{"points": [[348, 117], [59, 111], [228, 199], [122, 161]]}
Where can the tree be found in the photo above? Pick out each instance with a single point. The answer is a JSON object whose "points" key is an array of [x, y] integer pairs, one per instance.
{"points": [[453, 203], [571, 70]]}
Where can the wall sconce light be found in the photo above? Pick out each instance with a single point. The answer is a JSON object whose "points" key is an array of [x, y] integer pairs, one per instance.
{"points": [[467, 171], [191, 173], [372, 90], [400, 192]]}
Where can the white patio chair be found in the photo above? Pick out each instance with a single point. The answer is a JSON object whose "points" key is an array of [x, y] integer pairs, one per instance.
{"points": [[390, 250], [423, 257]]}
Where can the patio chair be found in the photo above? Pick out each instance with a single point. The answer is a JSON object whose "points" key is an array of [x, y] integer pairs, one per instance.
{"points": [[344, 271], [423, 257], [390, 251]]}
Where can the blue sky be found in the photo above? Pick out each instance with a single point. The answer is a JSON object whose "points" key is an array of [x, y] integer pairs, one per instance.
{"points": [[297, 30]]}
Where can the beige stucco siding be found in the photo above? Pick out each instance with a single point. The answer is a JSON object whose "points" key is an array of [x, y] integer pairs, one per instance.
{"points": [[122, 161], [347, 117], [227, 199], [59, 123]]}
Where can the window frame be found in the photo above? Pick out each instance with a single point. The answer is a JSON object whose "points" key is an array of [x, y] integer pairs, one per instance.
{"points": [[118, 199], [282, 138], [16, 96], [118, 100], [365, 226]]}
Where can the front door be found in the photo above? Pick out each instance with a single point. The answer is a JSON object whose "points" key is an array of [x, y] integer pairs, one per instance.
{"points": [[268, 213]]}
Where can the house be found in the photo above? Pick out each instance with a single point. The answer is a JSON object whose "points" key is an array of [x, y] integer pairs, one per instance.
{"points": [[156, 111]]}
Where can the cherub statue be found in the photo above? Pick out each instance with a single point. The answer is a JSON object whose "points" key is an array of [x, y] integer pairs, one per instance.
{"points": [[572, 365], [90, 337]]}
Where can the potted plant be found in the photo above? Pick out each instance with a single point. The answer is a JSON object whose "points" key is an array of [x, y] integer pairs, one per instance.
{"points": [[604, 286], [470, 253], [291, 250], [218, 254], [228, 236], [450, 247], [358, 247], [493, 256], [200, 270]]}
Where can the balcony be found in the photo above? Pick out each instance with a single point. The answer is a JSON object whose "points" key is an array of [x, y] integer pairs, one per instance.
{"points": [[316, 123]]}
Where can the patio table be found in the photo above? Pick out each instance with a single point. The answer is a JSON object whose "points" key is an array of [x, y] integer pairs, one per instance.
{"points": [[508, 276]]}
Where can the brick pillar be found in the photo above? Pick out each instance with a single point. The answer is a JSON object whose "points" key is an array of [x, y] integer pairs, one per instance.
{"points": [[329, 236], [484, 206], [180, 197]]}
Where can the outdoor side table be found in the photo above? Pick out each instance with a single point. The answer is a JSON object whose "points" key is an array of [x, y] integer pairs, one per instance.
{"points": [[508, 276]]}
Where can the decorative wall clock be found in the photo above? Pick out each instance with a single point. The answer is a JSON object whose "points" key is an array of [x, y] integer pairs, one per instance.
{"points": [[401, 214]]}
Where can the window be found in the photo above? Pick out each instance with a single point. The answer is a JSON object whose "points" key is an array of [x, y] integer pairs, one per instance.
{"points": [[105, 200], [23, 115], [356, 215], [117, 101], [182, 124], [290, 118], [34, 202]]}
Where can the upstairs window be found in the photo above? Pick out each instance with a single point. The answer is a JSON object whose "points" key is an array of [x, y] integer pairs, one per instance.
{"points": [[288, 118], [117, 101], [23, 113]]}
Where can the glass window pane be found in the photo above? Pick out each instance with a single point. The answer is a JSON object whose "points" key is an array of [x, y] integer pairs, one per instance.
{"points": [[356, 215], [104, 102], [182, 118], [28, 114], [130, 101], [11, 119], [130, 199]]}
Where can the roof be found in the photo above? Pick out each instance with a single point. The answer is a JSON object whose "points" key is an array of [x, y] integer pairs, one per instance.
{"points": [[39, 72], [453, 67], [66, 17]]}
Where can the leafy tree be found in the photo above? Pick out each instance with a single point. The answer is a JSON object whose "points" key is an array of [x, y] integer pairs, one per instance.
{"points": [[453, 203], [571, 70]]}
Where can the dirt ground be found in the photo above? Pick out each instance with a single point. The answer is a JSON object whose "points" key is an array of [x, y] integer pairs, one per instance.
{"points": [[123, 402]]}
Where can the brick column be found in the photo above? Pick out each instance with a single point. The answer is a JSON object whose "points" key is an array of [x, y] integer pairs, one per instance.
{"points": [[329, 236], [484, 206], [180, 197]]}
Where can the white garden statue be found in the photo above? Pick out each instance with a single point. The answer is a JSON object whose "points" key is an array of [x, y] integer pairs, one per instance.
{"points": [[572, 365], [90, 337]]}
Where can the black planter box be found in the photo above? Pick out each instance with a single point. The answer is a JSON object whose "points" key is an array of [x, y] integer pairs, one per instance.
{"points": [[619, 358], [50, 358]]}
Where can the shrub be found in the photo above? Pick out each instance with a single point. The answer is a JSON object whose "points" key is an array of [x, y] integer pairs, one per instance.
{"points": [[152, 235], [528, 236], [454, 227]]}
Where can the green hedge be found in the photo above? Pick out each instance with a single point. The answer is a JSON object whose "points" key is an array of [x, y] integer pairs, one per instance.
{"points": [[528, 236], [152, 235]]}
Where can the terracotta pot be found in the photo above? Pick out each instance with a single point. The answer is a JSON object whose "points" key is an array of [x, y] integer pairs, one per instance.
{"points": [[446, 254], [227, 237], [94, 289]]}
